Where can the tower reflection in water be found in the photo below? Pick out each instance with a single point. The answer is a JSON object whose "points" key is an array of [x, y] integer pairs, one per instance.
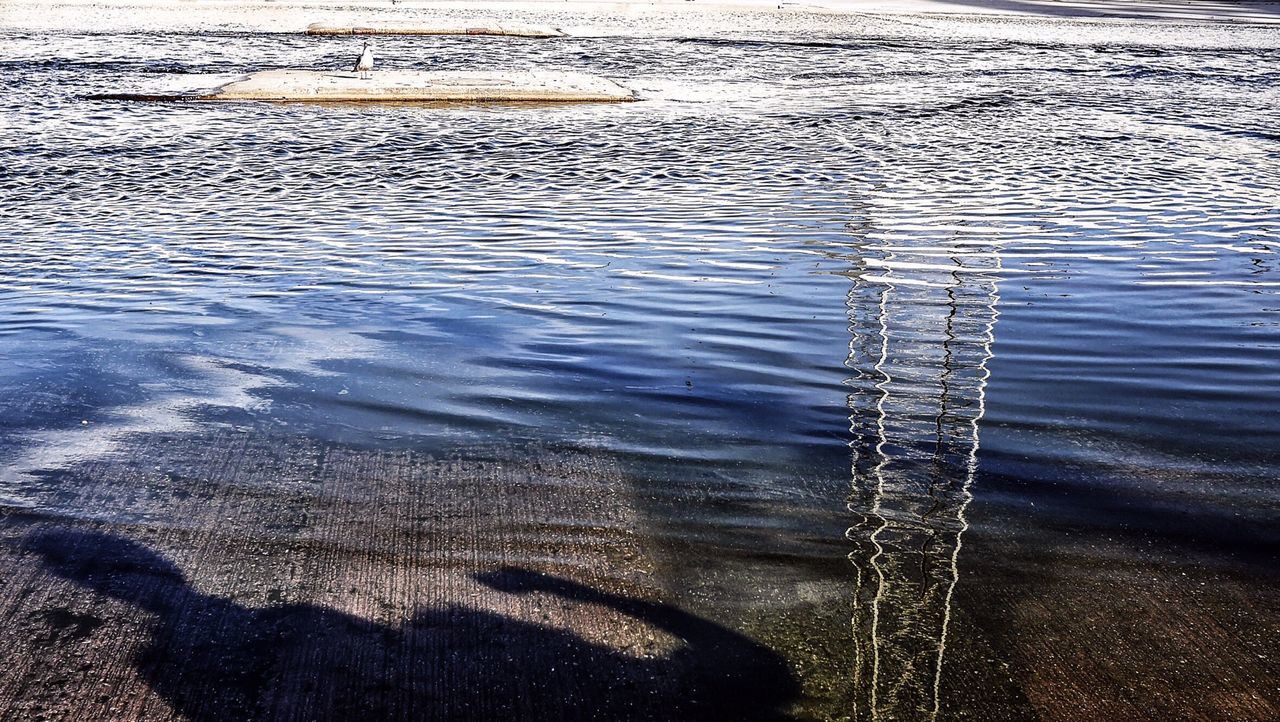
{"points": [[922, 322]]}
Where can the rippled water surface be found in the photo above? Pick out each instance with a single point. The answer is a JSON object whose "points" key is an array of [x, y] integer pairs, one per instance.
{"points": [[919, 356]]}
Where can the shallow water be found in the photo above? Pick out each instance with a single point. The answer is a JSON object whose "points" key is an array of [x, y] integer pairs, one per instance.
{"points": [[916, 332]]}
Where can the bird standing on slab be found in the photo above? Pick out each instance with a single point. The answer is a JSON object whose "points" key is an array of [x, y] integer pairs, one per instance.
{"points": [[364, 64]]}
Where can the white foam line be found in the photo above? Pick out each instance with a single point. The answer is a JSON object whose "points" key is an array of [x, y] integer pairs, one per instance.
{"points": [[1194, 282], [900, 280], [687, 279], [912, 265]]}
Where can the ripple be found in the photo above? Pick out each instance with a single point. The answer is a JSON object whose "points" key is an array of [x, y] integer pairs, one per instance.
{"points": [[881, 239]]}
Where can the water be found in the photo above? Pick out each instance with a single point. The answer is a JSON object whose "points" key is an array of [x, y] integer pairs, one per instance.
{"points": [[969, 343]]}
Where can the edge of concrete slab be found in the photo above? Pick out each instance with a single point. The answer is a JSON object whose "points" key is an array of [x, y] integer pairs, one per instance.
{"points": [[402, 86]]}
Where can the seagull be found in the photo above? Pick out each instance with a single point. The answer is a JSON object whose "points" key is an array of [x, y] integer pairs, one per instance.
{"points": [[364, 64]]}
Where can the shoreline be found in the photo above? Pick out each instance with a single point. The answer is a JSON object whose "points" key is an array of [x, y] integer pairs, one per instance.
{"points": [[592, 17], [876, 364]]}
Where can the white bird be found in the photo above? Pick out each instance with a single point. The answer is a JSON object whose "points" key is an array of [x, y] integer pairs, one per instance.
{"points": [[364, 64]]}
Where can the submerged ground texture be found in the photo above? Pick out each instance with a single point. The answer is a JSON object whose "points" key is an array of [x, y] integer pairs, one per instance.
{"points": [[293, 581], [876, 366]]}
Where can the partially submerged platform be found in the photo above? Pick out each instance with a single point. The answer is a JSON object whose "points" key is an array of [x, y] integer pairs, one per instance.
{"points": [[400, 28], [401, 86]]}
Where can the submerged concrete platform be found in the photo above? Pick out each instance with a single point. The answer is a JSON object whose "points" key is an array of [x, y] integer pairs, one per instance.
{"points": [[402, 86], [437, 28]]}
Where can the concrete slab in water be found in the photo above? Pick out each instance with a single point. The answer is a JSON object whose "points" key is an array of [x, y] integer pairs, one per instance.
{"points": [[418, 85], [478, 28], [405, 86]]}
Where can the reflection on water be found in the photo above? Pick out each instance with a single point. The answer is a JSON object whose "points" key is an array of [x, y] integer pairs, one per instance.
{"points": [[332, 296], [922, 322]]}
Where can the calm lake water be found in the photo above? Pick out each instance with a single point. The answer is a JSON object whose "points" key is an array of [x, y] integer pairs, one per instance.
{"points": [[948, 369]]}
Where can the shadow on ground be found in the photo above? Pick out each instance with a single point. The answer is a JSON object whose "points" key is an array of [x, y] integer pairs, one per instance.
{"points": [[211, 658]]}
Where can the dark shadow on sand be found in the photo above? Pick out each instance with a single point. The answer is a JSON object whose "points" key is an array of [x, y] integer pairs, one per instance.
{"points": [[213, 659]]}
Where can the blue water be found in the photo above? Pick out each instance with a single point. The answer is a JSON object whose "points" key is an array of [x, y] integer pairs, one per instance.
{"points": [[808, 285]]}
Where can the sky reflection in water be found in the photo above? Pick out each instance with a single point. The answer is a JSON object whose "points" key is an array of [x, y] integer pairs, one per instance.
{"points": [[791, 251]]}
